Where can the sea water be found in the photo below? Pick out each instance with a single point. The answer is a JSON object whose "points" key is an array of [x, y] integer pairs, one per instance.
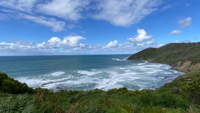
{"points": [[86, 72]]}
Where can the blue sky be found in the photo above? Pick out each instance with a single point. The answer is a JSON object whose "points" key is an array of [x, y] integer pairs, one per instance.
{"points": [[67, 27]]}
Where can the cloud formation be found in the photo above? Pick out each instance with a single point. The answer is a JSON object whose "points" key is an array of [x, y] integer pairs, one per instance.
{"points": [[185, 23], [142, 36], [125, 12], [21, 5], [49, 22], [166, 7], [175, 32], [71, 45], [67, 9], [122, 13], [112, 44]]}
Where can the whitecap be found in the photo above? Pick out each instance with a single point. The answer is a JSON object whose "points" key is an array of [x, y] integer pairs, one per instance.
{"points": [[85, 72], [117, 59], [58, 73]]}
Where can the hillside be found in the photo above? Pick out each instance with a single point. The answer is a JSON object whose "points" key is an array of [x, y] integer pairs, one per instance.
{"points": [[181, 56]]}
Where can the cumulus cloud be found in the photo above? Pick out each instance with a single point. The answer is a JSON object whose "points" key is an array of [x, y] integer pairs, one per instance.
{"points": [[67, 9], [22, 5], [112, 44], [142, 36], [185, 23], [67, 42], [54, 45], [125, 12], [175, 32], [49, 22], [72, 45]]}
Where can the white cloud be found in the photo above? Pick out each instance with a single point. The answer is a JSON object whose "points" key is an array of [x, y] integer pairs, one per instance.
{"points": [[22, 5], [117, 12], [71, 45], [175, 32], [112, 44], [152, 42], [186, 22], [67, 9], [67, 42], [160, 45], [53, 46], [177, 41], [72, 40], [49, 22], [142, 36], [166, 7], [125, 12]]}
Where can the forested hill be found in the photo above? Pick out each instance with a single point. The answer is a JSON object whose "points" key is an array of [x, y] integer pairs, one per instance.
{"points": [[181, 56]]}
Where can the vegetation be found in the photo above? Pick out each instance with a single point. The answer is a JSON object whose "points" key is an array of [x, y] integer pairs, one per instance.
{"points": [[10, 85], [170, 53], [180, 96]]}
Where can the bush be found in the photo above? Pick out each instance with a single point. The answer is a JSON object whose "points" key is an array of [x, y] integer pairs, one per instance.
{"points": [[9, 85], [192, 91], [150, 98], [174, 101]]}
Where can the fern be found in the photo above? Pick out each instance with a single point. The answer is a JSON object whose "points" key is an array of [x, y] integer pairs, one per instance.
{"points": [[21, 104], [29, 109]]}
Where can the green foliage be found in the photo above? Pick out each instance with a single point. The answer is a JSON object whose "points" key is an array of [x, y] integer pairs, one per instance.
{"points": [[192, 91], [10, 85], [170, 53], [21, 104], [165, 99]]}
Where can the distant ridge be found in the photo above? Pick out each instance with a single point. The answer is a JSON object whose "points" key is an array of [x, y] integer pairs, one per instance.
{"points": [[181, 56]]}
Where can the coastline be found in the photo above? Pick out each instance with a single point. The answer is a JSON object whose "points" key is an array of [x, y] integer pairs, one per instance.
{"points": [[172, 67]]}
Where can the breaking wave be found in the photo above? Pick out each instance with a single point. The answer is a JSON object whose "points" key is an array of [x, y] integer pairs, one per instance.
{"points": [[141, 75]]}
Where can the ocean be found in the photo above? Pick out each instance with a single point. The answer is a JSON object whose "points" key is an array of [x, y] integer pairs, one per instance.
{"points": [[86, 72]]}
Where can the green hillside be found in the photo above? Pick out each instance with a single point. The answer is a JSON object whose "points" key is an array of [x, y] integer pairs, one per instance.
{"points": [[170, 53]]}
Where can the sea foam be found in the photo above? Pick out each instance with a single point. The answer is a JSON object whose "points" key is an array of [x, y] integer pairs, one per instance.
{"points": [[135, 75]]}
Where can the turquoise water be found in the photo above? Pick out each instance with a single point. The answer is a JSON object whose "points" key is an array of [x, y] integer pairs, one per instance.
{"points": [[86, 72]]}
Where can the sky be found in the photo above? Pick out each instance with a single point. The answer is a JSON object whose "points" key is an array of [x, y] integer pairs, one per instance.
{"points": [[84, 27]]}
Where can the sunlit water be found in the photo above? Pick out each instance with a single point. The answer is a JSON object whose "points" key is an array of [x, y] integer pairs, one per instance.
{"points": [[87, 72]]}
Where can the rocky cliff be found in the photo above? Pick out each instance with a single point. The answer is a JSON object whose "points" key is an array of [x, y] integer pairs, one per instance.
{"points": [[186, 66]]}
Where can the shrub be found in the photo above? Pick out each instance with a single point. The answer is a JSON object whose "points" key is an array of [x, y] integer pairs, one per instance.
{"points": [[192, 91], [10, 85], [174, 101]]}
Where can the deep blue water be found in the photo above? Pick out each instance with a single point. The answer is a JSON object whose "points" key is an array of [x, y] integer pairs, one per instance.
{"points": [[86, 72]]}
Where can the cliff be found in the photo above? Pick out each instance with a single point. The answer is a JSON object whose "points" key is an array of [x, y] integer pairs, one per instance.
{"points": [[181, 56]]}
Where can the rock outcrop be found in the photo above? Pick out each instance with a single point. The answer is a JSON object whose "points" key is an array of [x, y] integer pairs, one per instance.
{"points": [[186, 66]]}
